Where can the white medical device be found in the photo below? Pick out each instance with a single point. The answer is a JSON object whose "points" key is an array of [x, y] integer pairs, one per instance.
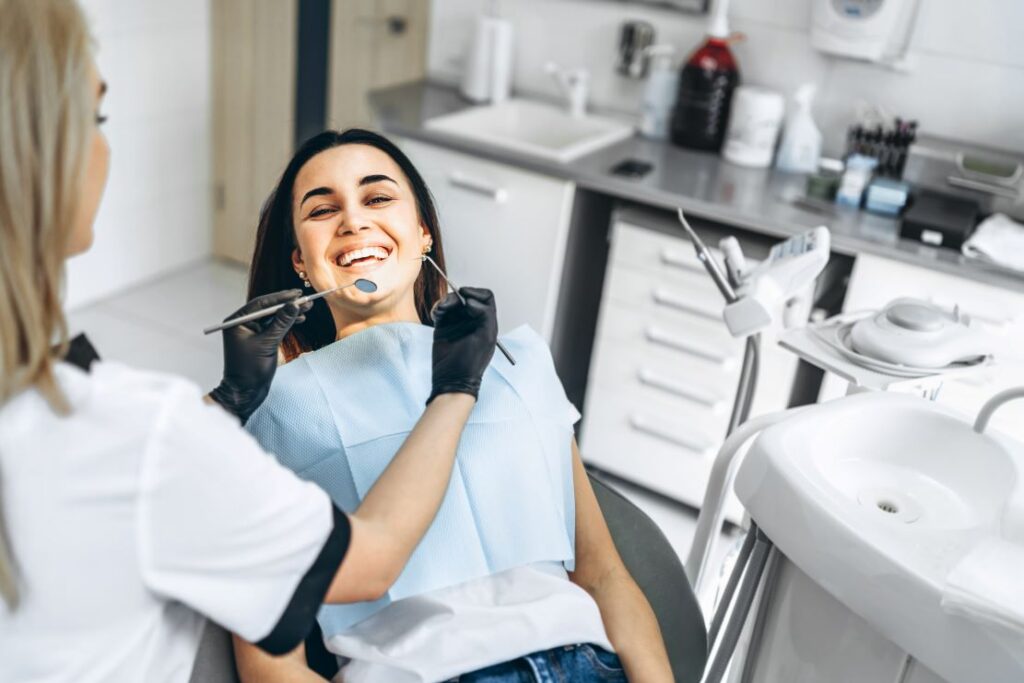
{"points": [[914, 333], [875, 30], [764, 291]]}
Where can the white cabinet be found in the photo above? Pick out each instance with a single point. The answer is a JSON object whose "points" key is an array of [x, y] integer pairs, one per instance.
{"points": [[664, 370], [502, 228], [876, 281]]}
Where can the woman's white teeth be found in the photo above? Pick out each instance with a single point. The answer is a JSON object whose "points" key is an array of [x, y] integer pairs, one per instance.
{"points": [[349, 257]]}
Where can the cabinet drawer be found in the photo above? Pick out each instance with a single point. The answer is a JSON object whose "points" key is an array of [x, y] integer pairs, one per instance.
{"points": [[670, 303], [687, 345], [656, 450], [691, 386], [655, 252]]}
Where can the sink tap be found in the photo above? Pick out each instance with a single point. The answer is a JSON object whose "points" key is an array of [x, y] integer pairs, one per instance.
{"points": [[575, 85]]}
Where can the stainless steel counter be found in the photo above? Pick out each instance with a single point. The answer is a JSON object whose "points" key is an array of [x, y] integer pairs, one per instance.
{"points": [[762, 201]]}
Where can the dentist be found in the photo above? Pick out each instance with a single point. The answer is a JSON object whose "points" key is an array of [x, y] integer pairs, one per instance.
{"points": [[131, 509]]}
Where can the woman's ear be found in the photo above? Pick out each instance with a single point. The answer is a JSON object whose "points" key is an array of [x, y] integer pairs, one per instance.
{"points": [[297, 262], [426, 239]]}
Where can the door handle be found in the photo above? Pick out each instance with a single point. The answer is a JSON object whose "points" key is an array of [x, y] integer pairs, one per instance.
{"points": [[498, 195]]}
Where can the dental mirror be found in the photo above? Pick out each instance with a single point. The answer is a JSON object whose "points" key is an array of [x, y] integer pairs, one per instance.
{"points": [[362, 284]]}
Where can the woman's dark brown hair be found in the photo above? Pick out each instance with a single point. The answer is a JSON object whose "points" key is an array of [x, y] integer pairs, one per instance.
{"points": [[272, 269]]}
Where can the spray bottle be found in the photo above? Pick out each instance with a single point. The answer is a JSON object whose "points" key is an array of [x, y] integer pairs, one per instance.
{"points": [[706, 85], [801, 141]]}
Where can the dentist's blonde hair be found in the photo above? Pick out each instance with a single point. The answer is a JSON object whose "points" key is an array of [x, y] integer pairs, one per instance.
{"points": [[46, 119]]}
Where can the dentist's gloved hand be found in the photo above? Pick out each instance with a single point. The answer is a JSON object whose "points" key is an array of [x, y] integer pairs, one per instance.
{"points": [[464, 341], [250, 352]]}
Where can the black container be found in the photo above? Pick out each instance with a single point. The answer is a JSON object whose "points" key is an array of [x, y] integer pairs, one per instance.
{"points": [[706, 86]]}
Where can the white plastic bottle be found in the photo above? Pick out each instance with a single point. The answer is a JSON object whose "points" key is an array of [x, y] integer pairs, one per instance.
{"points": [[801, 140], [659, 94]]}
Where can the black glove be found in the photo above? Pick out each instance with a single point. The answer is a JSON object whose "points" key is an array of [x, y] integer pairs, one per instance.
{"points": [[464, 340], [250, 352]]}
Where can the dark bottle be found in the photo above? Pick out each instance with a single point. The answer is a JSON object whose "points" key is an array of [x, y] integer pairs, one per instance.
{"points": [[706, 85]]}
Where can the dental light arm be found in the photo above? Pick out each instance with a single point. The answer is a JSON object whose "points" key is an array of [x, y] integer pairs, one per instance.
{"points": [[763, 291]]}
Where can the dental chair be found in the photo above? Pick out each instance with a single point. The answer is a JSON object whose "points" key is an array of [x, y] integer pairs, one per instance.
{"points": [[643, 547]]}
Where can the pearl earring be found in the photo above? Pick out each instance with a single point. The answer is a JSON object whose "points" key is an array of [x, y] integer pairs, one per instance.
{"points": [[302, 276], [427, 247]]}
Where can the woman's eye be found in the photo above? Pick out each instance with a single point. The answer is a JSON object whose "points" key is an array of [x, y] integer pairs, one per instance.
{"points": [[379, 199], [320, 212]]}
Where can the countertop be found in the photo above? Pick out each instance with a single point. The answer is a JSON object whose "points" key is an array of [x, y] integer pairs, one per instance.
{"points": [[765, 201]]}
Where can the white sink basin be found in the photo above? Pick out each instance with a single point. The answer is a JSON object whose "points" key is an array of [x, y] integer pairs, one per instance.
{"points": [[533, 128], [877, 497]]}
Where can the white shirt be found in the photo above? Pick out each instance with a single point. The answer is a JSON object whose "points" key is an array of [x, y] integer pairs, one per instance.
{"points": [[131, 518], [452, 631]]}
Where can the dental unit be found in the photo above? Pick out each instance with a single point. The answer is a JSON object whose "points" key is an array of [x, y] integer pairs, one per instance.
{"points": [[362, 284], [886, 532]]}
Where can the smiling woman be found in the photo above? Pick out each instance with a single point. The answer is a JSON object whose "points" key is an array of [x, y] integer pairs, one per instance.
{"points": [[519, 558], [329, 221]]}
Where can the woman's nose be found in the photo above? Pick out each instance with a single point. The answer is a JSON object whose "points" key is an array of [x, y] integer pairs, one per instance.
{"points": [[351, 223]]}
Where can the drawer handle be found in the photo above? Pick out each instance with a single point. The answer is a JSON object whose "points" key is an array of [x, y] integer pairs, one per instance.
{"points": [[651, 379], [644, 426], [672, 300], [681, 260], [496, 194], [658, 336]]}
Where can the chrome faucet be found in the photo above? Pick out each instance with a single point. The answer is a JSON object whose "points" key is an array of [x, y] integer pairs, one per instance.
{"points": [[575, 85]]}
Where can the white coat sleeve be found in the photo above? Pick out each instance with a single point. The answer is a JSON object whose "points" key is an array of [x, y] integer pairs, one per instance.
{"points": [[226, 530]]}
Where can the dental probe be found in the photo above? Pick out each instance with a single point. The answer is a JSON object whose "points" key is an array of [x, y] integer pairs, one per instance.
{"points": [[361, 284], [501, 347]]}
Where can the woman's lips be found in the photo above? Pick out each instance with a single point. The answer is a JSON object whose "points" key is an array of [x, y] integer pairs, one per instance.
{"points": [[364, 265]]}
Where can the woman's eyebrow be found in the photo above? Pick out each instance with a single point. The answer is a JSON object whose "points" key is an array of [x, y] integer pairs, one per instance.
{"points": [[370, 179], [315, 192]]}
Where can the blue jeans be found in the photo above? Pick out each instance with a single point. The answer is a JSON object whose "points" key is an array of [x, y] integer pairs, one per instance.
{"points": [[568, 664]]}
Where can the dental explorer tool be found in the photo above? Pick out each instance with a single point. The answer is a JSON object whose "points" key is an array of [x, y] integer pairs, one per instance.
{"points": [[361, 284], [451, 285]]}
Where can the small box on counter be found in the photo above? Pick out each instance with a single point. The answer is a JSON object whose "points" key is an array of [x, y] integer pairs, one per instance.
{"points": [[940, 220]]}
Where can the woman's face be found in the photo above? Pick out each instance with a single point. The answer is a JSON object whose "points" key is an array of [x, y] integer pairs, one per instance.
{"points": [[355, 216], [96, 166]]}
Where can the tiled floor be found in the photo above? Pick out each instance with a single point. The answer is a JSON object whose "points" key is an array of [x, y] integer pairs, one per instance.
{"points": [[159, 326]]}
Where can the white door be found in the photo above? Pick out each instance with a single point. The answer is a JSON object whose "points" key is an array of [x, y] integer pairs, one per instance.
{"points": [[502, 228]]}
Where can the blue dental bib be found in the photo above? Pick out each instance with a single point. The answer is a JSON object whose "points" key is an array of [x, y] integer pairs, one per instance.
{"points": [[338, 415]]}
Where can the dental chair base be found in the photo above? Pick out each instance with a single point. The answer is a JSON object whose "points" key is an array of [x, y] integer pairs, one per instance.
{"points": [[802, 633]]}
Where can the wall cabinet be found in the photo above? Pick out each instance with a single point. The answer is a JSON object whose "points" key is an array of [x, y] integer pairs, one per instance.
{"points": [[502, 228]]}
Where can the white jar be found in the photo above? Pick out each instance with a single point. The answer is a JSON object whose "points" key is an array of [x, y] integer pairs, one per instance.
{"points": [[754, 124]]}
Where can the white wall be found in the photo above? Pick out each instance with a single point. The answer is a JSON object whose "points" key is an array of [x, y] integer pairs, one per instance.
{"points": [[967, 59], [156, 214]]}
